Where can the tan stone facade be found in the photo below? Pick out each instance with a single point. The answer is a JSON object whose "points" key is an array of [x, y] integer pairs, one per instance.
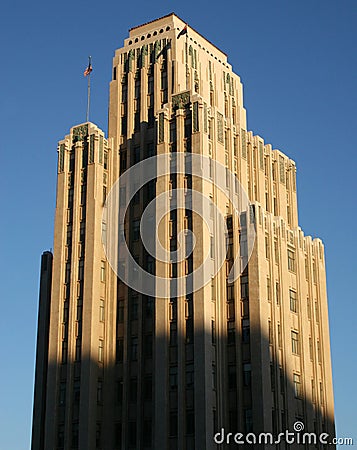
{"points": [[129, 371]]}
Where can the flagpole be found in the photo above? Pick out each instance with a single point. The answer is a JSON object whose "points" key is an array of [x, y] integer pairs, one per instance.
{"points": [[88, 89], [187, 64]]}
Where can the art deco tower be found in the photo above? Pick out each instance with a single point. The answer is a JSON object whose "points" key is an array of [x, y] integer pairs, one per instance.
{"points": [[119, 368]]}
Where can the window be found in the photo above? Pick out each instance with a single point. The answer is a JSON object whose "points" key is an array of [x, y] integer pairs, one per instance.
{"points": [[134, 307], [245, 331], [321, 392], [268, 290], [136, 229], [137, 121], [313, 393], [151, 117], [173, 333], [100, 351], [148, 346], [280, 341], [120, 316], [119, 391], [293, 301], [77, 355], [306, 268], [232, 377], [64, 352], [295, 342], [318, 351], [173, 424], [118, 434], [213, 331], [149, 306], [132, 434], [119, 350], [189, 376], [244, 287], [173, 378], [62, 394], [276, 251], [212, 247], [102, 272], [282, 380], [291, 260], [136, 155], [101, 310], [99, 391], [277, 293], [317, 316], [150, 150], [231, 333], [98, 434], [297, 385], [133, 389], [213, 290], [247, 374], [189, 331], [60, 436], [272, 377], [267, 247], [147, 388], [75, 434], [76, 391], [105, 163], [308, 305], [147, 432], [248, 420], [134, 348], [270, 332], [311, 349], [190, 422]]}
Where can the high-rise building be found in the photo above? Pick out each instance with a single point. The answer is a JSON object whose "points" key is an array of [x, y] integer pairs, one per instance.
{"points": [[119, 364]]}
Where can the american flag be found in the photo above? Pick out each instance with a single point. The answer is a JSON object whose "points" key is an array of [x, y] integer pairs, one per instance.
{"points": [[88, 70], [182, 32]]}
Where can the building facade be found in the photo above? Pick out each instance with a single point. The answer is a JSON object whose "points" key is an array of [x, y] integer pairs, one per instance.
{"points": [[119, 369]]}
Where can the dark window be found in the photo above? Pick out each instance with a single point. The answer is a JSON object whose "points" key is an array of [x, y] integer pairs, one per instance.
{"points": [[60, 436], [147, 388], [232, 378], [247, 374], [173, 425], [99, 391], [148, 346], [147, 432], [136, 229], [136, 154], [149, 306], [75, 434], [120, 313], [62, 394], [119, 350], [134, 348], [76, 392], [231, 333], [190, 422], [133, 389], [132, 434]]}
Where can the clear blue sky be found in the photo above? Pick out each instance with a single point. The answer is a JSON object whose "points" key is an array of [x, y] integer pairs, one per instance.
{"points": [[298, 64]]}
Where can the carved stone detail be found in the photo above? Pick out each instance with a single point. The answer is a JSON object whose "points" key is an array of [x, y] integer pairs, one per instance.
{"points": [[181, 100], [79, 133]]}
